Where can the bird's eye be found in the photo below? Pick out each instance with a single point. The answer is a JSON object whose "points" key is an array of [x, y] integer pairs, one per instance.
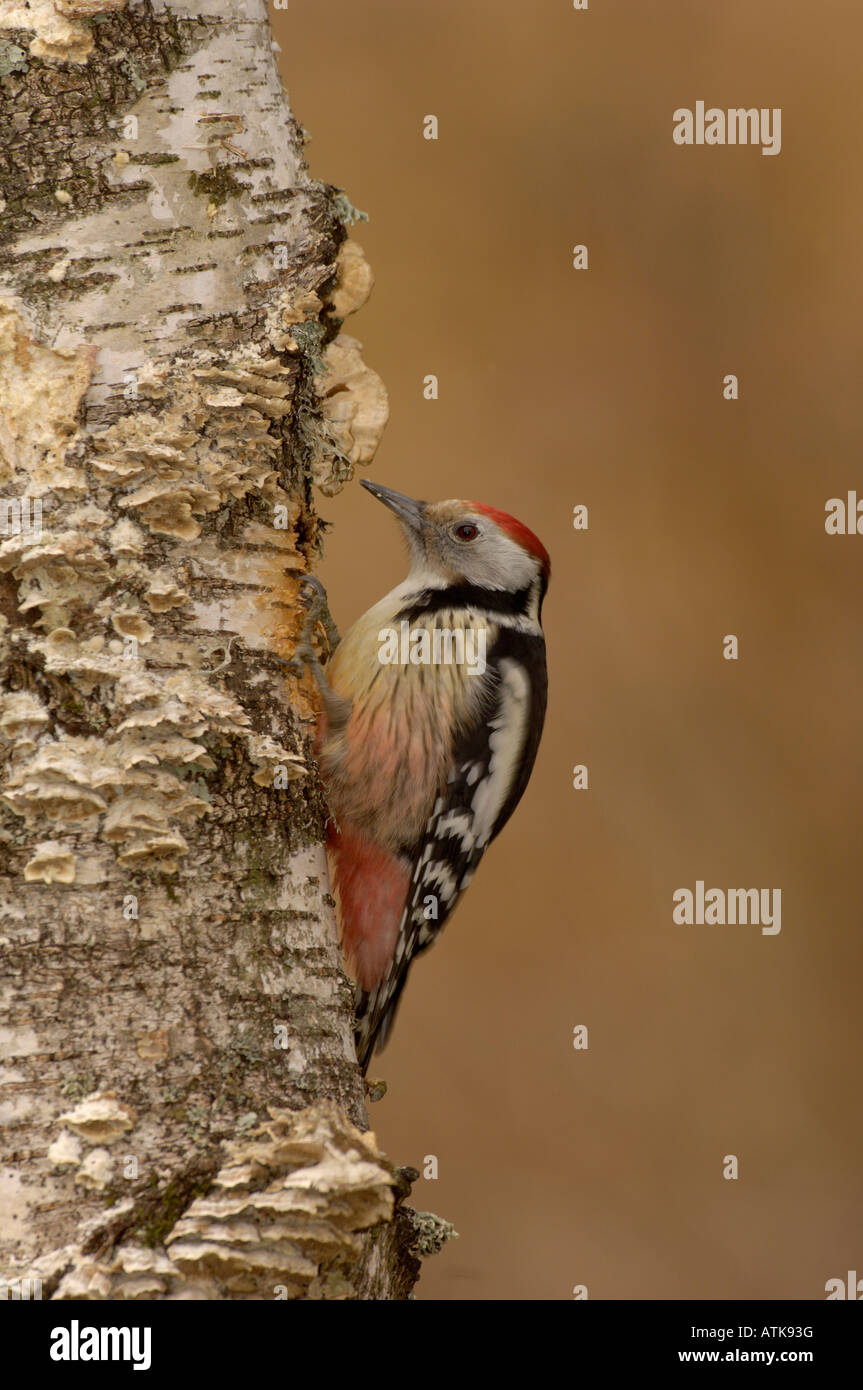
{"points": [[467, 531]]}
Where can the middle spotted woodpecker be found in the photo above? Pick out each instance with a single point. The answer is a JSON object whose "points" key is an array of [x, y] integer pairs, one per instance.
{"points": [[432, 710]]}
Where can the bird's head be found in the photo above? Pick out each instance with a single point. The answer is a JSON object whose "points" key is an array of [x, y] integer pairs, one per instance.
{"points": [[458, 542]]}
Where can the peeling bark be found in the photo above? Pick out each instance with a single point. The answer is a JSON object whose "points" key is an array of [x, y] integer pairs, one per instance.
{"points": [[182, 1113]]}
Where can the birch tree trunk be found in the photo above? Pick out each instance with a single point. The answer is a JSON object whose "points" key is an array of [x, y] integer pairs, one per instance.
{"points": [[182, 1113]]}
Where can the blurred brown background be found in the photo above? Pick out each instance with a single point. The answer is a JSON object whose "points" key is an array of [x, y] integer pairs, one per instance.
{"points": [[604, 387]]}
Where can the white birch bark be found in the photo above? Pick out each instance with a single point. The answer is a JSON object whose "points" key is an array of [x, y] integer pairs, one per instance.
{"points": [[181, 1109]]}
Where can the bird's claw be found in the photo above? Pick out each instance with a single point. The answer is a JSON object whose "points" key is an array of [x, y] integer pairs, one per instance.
{"points": [[312, 597], [312, 601], [311, 586]]}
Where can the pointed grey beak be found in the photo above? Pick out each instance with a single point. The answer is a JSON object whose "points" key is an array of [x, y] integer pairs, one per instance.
{"points": [[405, 508]]}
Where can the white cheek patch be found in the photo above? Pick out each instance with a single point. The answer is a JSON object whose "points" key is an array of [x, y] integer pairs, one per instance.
{"points": [[500, 556]]}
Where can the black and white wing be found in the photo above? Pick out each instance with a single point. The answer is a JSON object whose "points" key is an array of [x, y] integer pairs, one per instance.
{"points": [[491, 765]]}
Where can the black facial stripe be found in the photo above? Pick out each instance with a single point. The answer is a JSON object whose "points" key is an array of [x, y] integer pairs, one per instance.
{"points": [[490, 601]]}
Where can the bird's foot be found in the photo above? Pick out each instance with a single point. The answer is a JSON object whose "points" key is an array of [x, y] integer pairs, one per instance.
{"points": [[312, 597], [312, 603]]}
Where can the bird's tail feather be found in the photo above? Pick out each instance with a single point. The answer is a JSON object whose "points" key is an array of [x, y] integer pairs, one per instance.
{"points": [[375, 1012]]}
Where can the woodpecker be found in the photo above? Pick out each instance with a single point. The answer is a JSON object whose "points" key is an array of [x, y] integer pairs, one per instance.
{"points": [[432, 707]]}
